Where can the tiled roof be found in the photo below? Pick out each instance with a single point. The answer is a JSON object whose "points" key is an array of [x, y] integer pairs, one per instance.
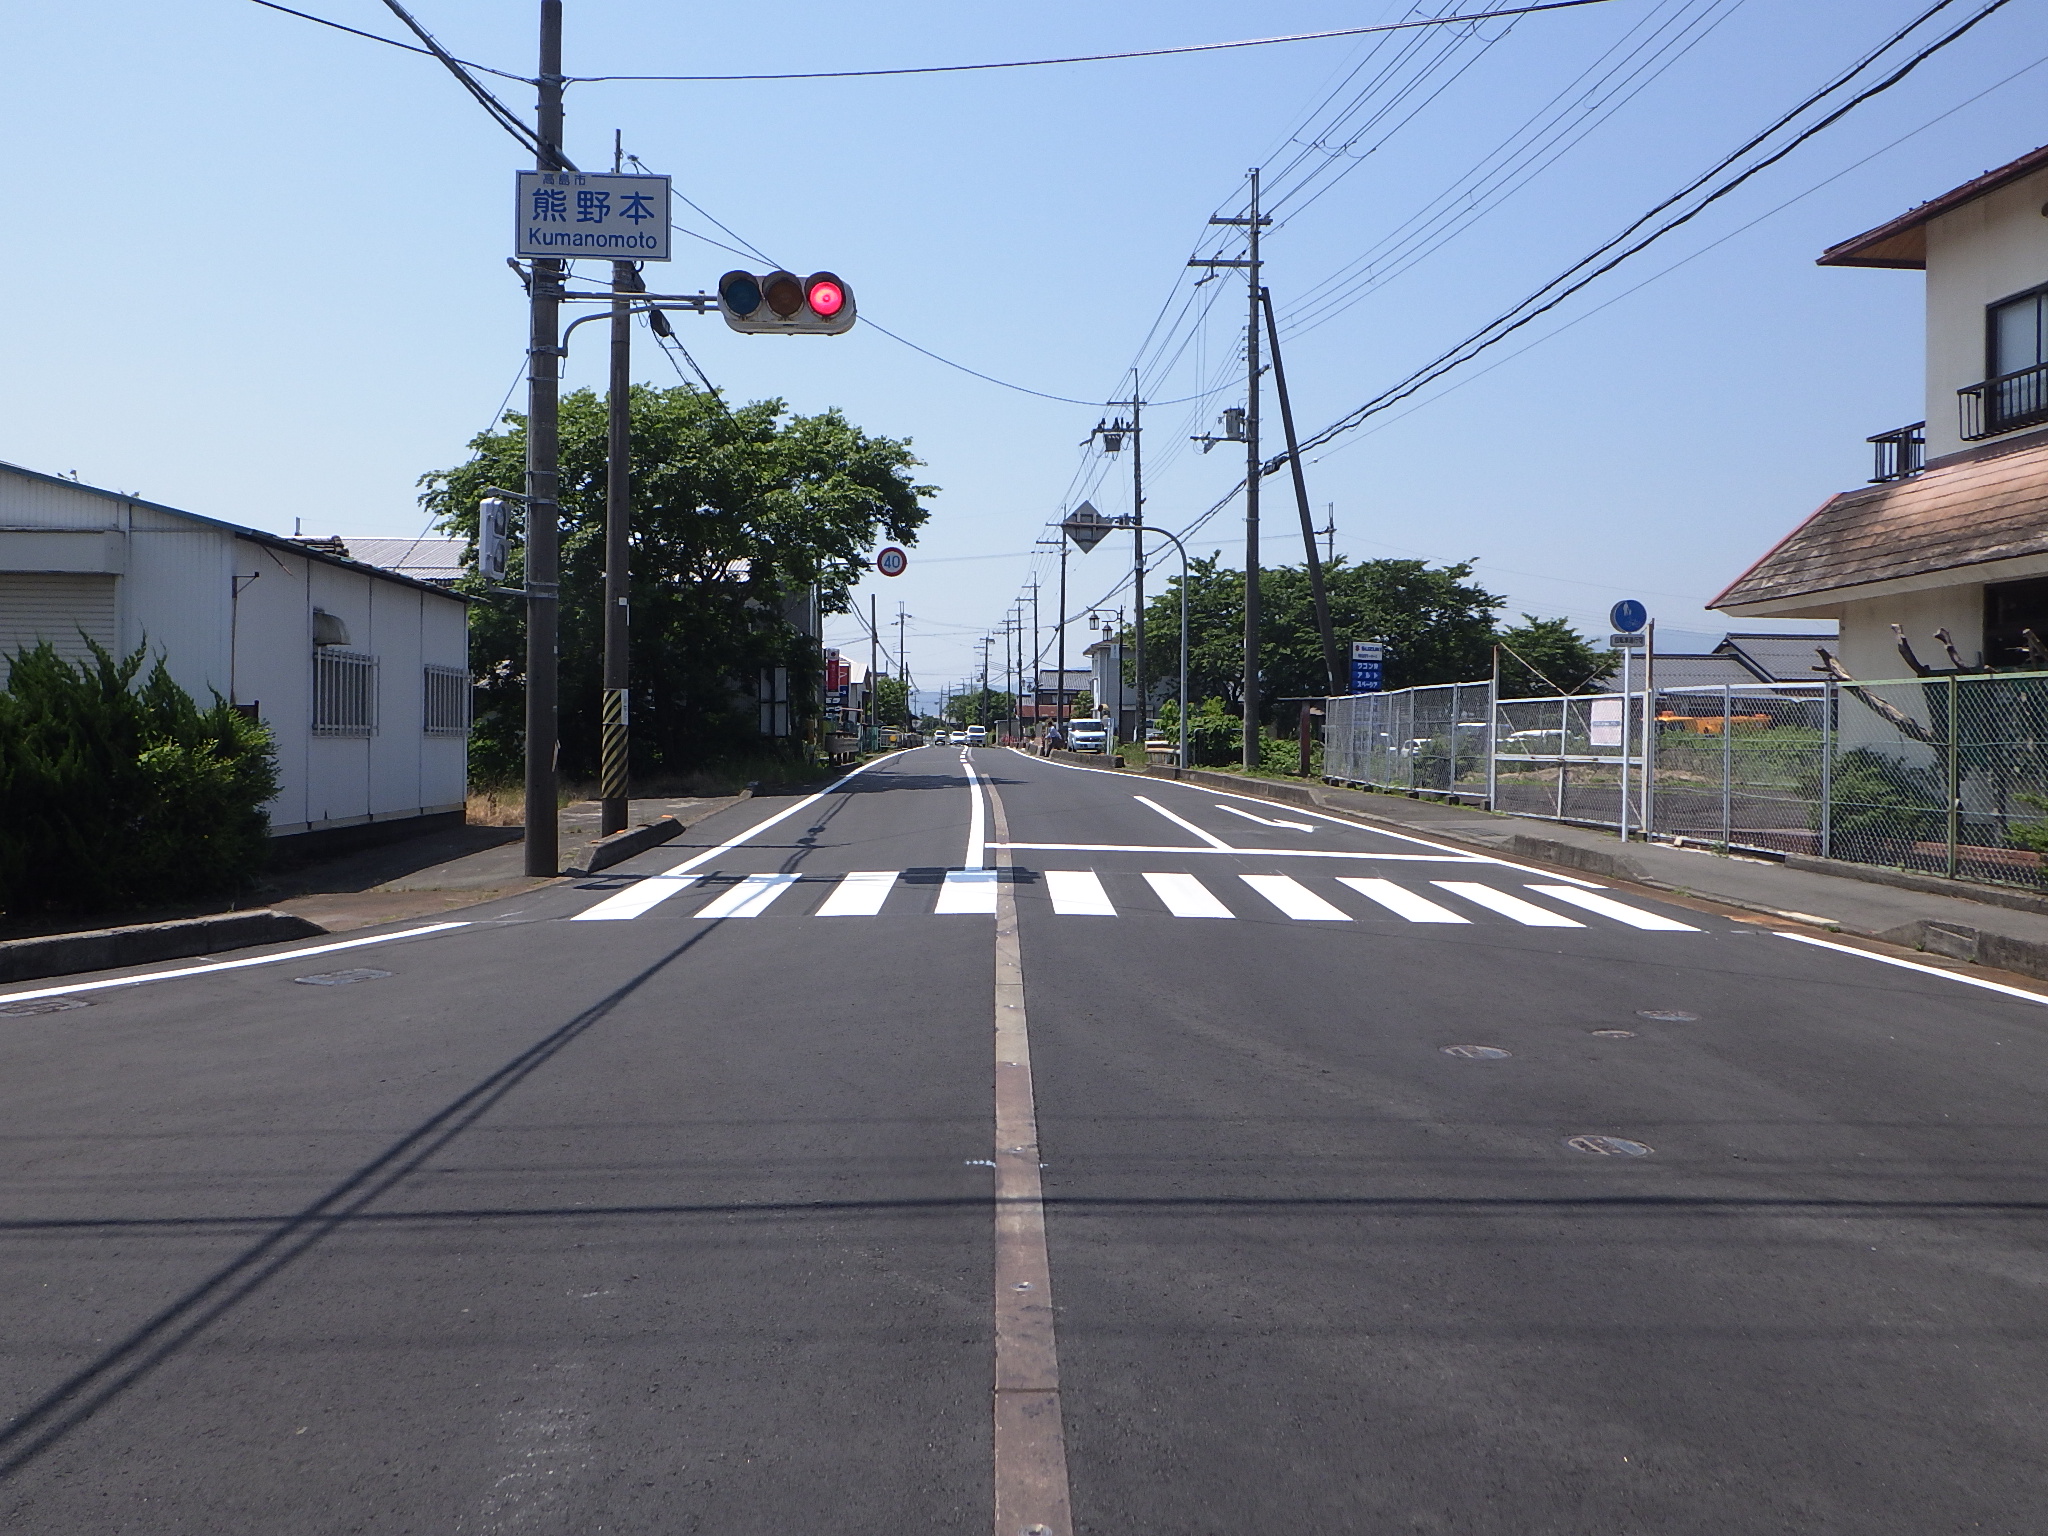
{"points": [[1902, 242], [1959, 514]]}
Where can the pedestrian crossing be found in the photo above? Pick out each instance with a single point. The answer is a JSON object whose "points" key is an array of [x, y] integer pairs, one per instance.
{"points": [[1301, 898]]}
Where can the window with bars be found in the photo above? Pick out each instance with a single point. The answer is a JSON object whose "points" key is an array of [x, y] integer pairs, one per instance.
{"points": [[344, 693], [447, 701]]}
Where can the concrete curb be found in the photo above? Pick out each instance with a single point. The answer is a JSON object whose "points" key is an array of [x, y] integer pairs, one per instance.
{"points": [[103, 949], [1927, 885], [607, 851]]}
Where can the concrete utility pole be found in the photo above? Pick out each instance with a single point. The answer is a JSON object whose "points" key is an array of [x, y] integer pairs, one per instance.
{"points": [[543, 486], [1037, 650], [1250, 263], [1060, 689], [903, 669], [613, 773], [874, 675], [1333, 677]]}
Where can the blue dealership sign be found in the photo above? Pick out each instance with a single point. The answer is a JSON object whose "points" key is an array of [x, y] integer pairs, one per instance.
{"points": [[1368, 659]]}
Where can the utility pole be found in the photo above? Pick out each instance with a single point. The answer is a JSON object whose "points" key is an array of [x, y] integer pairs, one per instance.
{"points": [[874, 700], [1329, 531], [1316, 588], [543, 480], [1037, 650], [1252, 225], [981, 704], [1060, 689], [614, 788], [903, 667], [1112, 435]]}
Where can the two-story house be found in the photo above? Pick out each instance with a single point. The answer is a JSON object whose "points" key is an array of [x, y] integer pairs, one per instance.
{"points": [[1951, 536]]}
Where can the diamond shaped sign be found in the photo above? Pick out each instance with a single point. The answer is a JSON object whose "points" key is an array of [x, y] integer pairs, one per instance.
{"points": [[1086, 526]]}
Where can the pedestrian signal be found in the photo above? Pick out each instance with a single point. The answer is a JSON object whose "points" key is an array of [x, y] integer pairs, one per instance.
{"points": [[783, 304]]}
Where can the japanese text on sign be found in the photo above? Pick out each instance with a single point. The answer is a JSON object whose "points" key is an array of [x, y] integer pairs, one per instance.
{"points": [[582, 213]]}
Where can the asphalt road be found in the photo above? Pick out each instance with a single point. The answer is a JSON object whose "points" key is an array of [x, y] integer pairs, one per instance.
{"points": [[667, 1201]]}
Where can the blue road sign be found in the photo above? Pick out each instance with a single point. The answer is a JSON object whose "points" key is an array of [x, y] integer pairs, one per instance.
{"points": [[1628, 615]]}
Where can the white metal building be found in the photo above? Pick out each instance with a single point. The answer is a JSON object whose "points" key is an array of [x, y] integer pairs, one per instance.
{"points": [[362, 674]]}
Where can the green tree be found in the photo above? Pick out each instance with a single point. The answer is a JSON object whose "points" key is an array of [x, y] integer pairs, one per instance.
{"points": [[980, 707], [735, 514], [1437, 624], [1541, 657], [892, 701]]}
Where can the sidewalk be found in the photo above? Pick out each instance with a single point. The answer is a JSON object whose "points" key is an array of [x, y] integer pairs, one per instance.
{"points": [[1989, 925]]}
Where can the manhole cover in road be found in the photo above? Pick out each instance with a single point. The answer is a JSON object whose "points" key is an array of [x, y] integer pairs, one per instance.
{"points": [[41, 1005], [341, 978], [1607, 1146], [1667, 1015], [1615, 1034], [1475, 1052]]}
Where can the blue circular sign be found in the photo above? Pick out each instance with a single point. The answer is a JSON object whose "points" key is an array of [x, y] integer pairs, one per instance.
{"points": [[1628, 615]]}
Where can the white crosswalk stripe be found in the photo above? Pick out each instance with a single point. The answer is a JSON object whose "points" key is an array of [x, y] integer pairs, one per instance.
{"points": [[1621, 912], [1186, 896], [859, 894], [972, 891], [1401, 901], [1091, 893], [1077, 893], [1527, 913], [750, 898], [1294, 899]]}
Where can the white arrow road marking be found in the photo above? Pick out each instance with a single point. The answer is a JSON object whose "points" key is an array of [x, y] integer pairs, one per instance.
{"points": [[1185, 825], [1292, 826]]}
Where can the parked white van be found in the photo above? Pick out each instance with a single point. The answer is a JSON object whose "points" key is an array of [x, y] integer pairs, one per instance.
{"points": [[1088, 736]]}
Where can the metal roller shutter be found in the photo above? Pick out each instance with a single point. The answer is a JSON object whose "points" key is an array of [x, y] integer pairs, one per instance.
{"points": [[40, 605]]}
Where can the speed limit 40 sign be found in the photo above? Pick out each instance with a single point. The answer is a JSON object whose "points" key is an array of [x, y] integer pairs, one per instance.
{"points": [[892, 561]]}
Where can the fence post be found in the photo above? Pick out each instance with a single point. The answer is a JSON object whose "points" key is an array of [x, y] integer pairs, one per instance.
{"points": [[1727, 767], [1955, 803], [1564, 735], [1827, 771]]}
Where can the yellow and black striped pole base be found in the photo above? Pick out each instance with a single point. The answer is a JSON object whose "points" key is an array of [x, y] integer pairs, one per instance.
{"points": [[612, 783]]}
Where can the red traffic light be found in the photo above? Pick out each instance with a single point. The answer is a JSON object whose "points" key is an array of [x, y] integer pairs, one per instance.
{"points": [[780, 304], [825, 294]]}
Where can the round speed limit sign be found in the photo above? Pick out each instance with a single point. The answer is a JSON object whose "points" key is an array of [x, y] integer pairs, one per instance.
{"points": [[892, 562]]}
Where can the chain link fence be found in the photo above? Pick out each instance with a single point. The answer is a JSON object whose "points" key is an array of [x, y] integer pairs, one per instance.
{"points": [[1944, 775]]}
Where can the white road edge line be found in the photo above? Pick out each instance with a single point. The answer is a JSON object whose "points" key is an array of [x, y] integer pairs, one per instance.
{"points": [[1186, 826], [1252, 853], [1031, 1489], [230, 965], [643, 895], [1356, 826], [1908, 965]]}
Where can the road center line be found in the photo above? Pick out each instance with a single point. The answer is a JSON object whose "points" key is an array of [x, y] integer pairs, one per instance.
{"points": [[1030, 1435], [977, 825]]}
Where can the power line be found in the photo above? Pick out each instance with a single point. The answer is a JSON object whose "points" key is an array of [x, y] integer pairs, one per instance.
{"points": [[503, 74], [503, 115], [1098, 58], [1529, 309]]}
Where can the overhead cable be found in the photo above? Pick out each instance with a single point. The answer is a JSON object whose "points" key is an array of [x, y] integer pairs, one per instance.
{"points": [[1567, 283], [377, 37], [1099, 58]]}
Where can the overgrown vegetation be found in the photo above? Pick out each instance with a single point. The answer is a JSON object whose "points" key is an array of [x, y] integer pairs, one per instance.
{"points": [[121, 796]]}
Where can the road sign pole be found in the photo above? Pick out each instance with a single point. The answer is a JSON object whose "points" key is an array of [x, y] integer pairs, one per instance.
{"points": [[542, 850]]}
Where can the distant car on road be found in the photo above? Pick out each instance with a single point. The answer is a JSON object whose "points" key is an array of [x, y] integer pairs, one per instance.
{"points": [[1088, 736], [977, 735]]}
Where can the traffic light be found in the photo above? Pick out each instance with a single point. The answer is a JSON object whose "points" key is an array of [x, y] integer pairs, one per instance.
{"points": [[781, 304]]}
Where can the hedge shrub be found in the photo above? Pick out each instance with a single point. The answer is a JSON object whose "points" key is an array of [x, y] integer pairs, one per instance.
{"points": [[122, 796]]}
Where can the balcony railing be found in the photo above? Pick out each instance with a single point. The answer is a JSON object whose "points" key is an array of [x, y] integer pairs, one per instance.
{"points": [[2004, 404], [1900, 453]]}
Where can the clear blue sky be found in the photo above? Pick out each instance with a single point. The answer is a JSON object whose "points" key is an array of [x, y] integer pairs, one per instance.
{"points": [[259, 266]]}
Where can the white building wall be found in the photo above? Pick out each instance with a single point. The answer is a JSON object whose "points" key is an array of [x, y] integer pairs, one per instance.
{"points": [[1988, 249], [233, 615]]}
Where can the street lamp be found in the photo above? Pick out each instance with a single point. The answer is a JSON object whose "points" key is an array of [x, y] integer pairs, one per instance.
{"points": [[1087, 532]]}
